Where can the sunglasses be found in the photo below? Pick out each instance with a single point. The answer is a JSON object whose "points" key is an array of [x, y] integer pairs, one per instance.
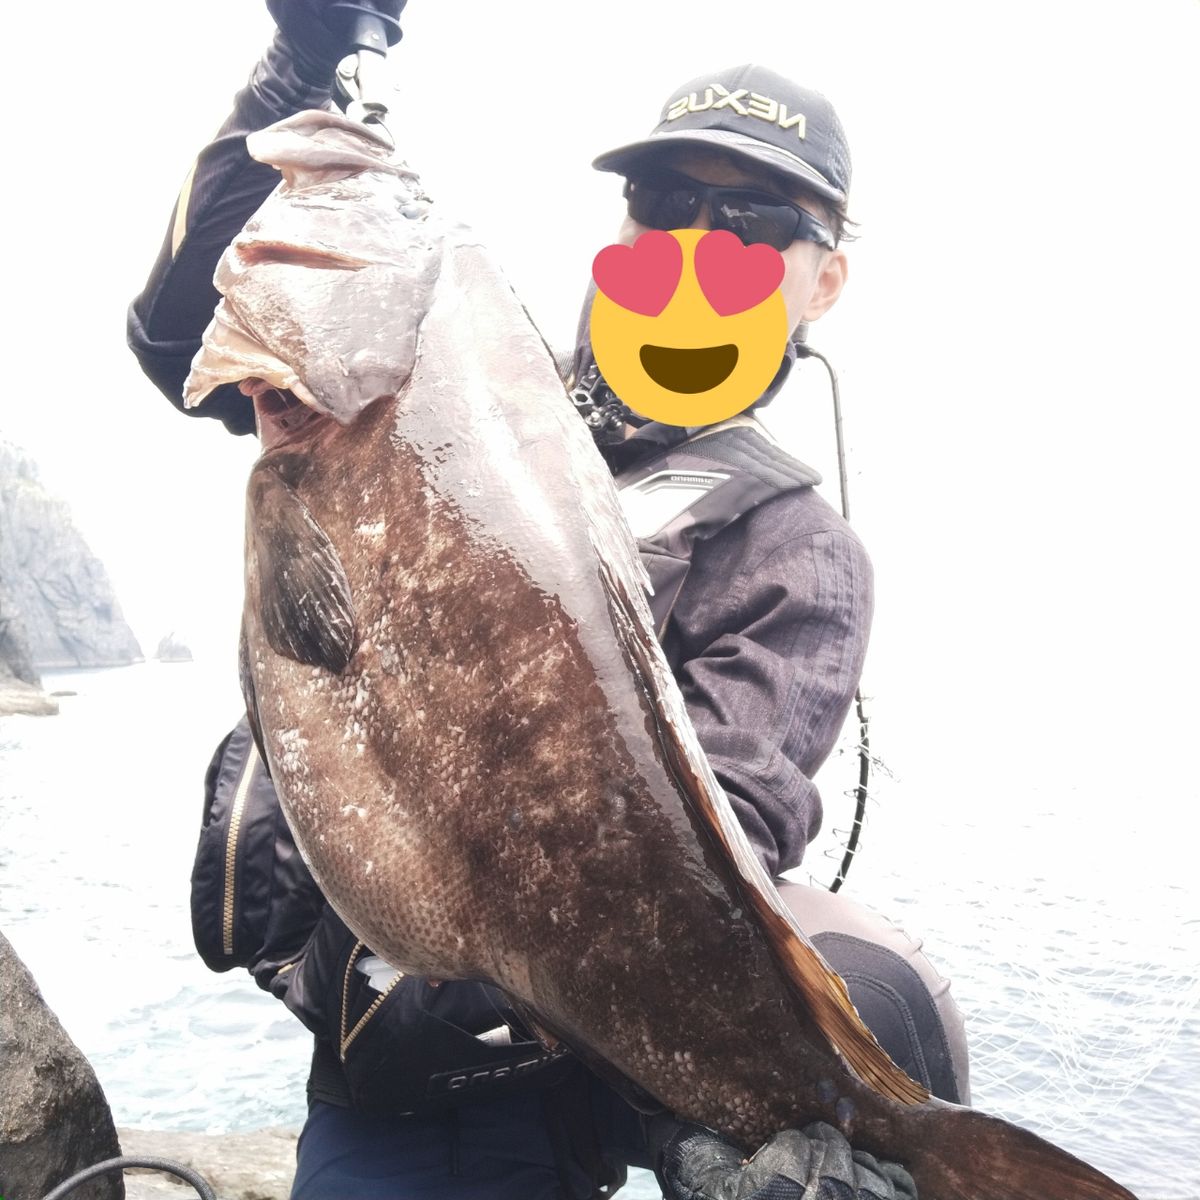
{"points": [[666, 200]]}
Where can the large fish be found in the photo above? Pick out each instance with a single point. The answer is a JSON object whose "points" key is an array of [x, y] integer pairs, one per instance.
{"points": [[452, 670]]}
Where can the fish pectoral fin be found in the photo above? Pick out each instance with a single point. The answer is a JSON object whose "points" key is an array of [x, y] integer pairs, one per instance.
{"points": [[246, 679], [543, 1029], [304, 603], [827, 999], [533, 1022]]}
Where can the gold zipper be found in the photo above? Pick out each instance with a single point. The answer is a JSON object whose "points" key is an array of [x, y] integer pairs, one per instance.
{"points": [[179, 224], [235, 823], [347, 1038]]}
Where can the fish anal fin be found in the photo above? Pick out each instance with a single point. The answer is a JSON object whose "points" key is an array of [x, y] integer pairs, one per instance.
{"points": [[828, 1001], [820, 989], [303, 596]]}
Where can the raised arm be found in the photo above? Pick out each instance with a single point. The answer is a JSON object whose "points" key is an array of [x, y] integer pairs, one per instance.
{"points": [[225, 186]]}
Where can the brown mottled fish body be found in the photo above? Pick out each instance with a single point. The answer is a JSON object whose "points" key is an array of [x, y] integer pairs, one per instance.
{"points": [[473, 732]]}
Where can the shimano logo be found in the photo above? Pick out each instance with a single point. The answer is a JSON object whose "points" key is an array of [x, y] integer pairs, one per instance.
{"points": [[450, 1082], [742, 103]]}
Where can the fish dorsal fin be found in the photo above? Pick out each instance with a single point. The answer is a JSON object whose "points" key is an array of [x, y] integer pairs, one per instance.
{"points": [[820, 988], [304, 603]]}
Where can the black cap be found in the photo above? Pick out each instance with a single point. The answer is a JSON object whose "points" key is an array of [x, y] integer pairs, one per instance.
{"points": [[755, 113]]}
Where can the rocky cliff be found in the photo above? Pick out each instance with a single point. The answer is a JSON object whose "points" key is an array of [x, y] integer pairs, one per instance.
{"points": [[20, 687], [172, 649], [55, 597]]}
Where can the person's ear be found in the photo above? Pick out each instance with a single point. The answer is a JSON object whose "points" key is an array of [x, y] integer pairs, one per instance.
{"points": [[831, 278]]}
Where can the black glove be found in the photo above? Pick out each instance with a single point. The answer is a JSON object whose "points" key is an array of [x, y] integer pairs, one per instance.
{"points": [[818, 1164], [318, 32]]}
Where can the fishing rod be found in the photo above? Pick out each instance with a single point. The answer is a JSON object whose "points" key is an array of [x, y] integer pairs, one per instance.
{"points": [[605, 415], [861, 789]]}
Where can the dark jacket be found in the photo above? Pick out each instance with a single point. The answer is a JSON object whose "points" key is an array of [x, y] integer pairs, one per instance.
{"points": [[762, 598]]}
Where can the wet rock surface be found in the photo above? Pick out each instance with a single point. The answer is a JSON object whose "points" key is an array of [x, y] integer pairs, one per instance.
{"points": [[54, 1119], [240, 1166]]}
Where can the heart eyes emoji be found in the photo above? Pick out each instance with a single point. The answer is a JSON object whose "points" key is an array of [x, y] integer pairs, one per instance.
{"points": [[688, 326], [735, 277], [643, 277]]}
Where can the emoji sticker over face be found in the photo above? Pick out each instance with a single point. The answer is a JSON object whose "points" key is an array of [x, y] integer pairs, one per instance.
{"points": [[688, 326]]}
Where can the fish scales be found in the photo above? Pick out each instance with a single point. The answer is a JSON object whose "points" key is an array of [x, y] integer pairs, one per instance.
{"points": [[451, 666]]}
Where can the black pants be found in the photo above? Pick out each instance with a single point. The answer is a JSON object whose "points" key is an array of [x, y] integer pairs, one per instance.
{"points": [[504, 1151]]}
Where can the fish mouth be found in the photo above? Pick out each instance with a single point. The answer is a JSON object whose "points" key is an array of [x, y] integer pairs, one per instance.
{"points": [[279, 414], [688, 371]]}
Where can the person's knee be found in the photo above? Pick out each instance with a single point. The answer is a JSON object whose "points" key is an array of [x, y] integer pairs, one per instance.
{"points": [[900, 996], [897, 1007]]}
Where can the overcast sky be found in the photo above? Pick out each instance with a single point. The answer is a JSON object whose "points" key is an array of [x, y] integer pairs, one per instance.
{"points": [[1017, 343]]}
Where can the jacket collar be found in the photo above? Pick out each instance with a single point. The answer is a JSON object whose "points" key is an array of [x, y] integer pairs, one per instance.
{"points": [[654, 437]]}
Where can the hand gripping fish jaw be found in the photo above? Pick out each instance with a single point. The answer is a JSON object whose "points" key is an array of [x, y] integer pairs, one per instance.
{"points": [[362, 83]]}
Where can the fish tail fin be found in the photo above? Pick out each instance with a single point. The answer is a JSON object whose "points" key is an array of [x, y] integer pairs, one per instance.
{"points": [[968, 1155]]}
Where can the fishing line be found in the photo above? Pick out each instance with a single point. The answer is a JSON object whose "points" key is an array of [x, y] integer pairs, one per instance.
{"points": [[1083, 998]]}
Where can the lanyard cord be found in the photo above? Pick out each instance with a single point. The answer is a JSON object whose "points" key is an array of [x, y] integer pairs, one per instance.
{"points": [[124, 1163], [803, 350]]}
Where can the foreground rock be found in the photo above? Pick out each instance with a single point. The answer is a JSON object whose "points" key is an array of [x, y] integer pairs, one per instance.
{"points": [[240, 1166], [51, 581], [54, 1119]]}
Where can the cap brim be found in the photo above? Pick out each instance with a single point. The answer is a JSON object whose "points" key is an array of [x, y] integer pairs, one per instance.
{"points": [[778, 159]]}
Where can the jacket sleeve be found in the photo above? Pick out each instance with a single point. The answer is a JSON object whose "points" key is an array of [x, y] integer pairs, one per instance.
{"points": [[225, 187], [770, 662], [254, 903]]}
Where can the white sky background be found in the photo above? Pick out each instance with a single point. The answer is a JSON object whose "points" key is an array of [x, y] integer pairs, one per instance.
{"points": [[1017, 343]]}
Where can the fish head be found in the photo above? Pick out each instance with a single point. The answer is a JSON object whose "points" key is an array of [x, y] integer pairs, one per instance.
{"points": [[323, 291]]}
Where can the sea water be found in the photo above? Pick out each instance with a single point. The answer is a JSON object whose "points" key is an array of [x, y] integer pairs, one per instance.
{"points": [[1079, 974]]}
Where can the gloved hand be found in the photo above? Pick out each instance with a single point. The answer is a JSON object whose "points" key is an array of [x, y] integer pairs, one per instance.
{"points": [[817, 1164], [317, 32]]}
